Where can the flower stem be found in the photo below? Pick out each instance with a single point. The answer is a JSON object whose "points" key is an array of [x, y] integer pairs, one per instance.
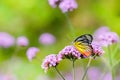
{"points": [[70, 25], [73, 70], [110, 62], [59, 73], [18, 48], [110, 58], [90, 59]]}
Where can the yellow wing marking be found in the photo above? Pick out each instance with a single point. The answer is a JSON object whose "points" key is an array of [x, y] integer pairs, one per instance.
{"points": [[83, 49]]}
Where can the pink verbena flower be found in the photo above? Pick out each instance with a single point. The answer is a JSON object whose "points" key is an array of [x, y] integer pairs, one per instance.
{"points": [[97, 49], [64, 5], [51, 60], [105, 37], [31, 53], [6, 40], [68, 5], [53, 3], [22, 41], [108, 38], [47, 39], [100, 31], [69, 52]]}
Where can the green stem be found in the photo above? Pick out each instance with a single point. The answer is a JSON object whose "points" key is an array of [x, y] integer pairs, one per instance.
{"points": [[59, 73], [16, 51], [90, 59], [73, 70], [115, 51], [103, 74], [116, 63], [113, 76], [110, 58], [110, 62], [70, 25]]}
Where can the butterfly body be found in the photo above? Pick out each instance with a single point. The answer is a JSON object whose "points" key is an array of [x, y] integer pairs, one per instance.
{"points": [[83, 44]]}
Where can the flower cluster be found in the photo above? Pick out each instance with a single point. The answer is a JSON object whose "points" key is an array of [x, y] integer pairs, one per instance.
{"points": [[53, 3], [6, 40], [105, 37], [22, 41], [69, 52], [53, 60], [64, 5], [47, 39], [50, 61], [31, 52], [100, 31], [44, 39], [97, 49]]}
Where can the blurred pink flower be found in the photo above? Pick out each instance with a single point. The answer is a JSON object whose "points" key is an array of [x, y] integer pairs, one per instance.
{"points": [[117, 78], [69, 52], [51, 60], [47, 39], [64, 5], [78, 74], [31, 53], [6, 40], [53, 3], [105, 37], [97, 48], [100, 31], [93, 73], [107, 76], [7, 77], [22, 41], [68, 76], [108, 38], [68, 5]]}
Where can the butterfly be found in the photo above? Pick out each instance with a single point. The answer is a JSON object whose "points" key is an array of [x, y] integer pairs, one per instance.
{"points": [[83, 45]]}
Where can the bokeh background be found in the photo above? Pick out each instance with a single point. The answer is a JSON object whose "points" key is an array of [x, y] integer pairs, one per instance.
{"points": [[31, 18]]}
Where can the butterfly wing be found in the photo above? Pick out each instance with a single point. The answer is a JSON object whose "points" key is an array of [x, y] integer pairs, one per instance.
{"points": [[86, 38], [83, 44], [84, 49]]}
